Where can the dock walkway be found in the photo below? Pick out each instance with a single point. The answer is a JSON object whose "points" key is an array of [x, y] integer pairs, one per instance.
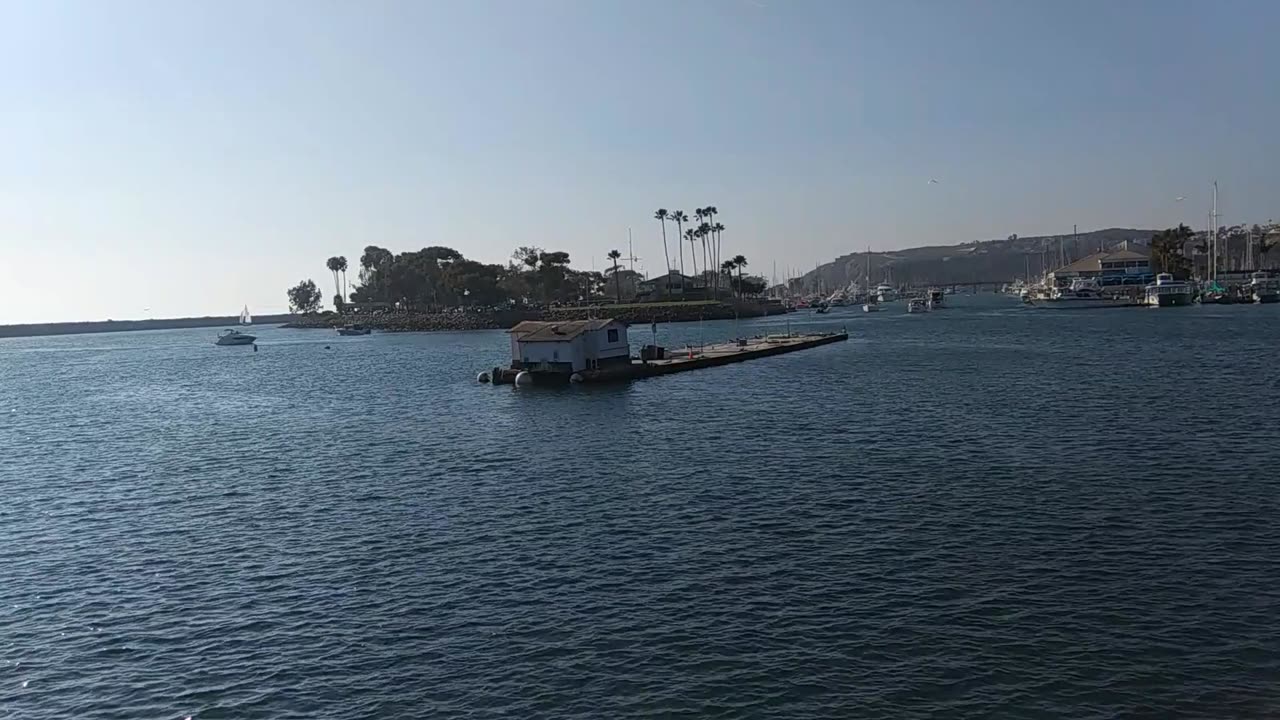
{"points": [[692, 358]]}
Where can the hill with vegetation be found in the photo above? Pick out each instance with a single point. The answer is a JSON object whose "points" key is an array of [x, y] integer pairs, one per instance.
{"points": [[978, 261]]}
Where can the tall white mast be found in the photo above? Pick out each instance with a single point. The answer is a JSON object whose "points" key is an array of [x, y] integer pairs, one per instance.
{"points": [[1213, 227]]}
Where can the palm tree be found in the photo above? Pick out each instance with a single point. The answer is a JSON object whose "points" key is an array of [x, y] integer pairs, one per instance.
{"points": [[617, 281], [739, 262], [709, 212], [704, 231], [335, 264], [679, 217], [717, 228], [342, 268], [726, 268], [692, 236], [661, 216]]}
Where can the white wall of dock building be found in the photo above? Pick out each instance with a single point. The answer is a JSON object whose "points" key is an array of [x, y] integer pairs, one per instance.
{"points": [[601, 349], [571, 351]]}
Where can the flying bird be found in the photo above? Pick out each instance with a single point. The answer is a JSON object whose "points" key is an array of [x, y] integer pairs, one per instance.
{"points": [[932, 181], [1179, 199]]}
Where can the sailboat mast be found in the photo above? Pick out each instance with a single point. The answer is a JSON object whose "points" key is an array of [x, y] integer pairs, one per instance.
{"points": [[1214, 229]]}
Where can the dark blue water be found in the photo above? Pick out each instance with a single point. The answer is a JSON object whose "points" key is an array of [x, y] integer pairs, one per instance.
{"points": [[982, 512]]}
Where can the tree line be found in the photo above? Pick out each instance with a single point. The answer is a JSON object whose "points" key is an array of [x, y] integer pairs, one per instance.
{"points": [[439, 277], [1239, 248]]}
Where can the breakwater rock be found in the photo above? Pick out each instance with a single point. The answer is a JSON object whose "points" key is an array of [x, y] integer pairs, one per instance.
{"points": [[419, 322], [640, 313], [645, 313]]}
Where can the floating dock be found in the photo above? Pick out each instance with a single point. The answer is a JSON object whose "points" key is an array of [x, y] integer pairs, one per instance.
{"points": [[682, 360]]}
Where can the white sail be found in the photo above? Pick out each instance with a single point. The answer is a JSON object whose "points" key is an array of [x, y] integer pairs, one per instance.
{"points": [[245, 317]]}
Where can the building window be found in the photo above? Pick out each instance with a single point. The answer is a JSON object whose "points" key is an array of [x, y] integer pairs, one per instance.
{"points": [[613, 336]]}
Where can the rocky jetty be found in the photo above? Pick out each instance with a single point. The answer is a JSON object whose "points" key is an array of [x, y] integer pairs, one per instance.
{"points": [[503, 319]]}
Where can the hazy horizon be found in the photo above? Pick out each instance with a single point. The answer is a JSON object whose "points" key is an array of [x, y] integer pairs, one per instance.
{"points": [[185, 159]]}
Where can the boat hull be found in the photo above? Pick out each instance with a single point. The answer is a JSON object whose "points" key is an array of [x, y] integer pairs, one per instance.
{"points": [[241, 340], [1169, 300], [1079, 303], [1266, 298]]}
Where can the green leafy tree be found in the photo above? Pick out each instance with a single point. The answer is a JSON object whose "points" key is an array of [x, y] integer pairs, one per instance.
{"points": [[1266, 240], [374, 264], [1167, 251], [304, 297]]}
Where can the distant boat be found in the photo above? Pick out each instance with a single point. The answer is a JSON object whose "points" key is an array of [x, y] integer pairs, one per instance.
{"points": [[917, 305], [1167, 292], [245, 317], [872, 297], [354, 330], [1264, 288], [1083, 293], [234, 337], [886, 293], [935, 298]]}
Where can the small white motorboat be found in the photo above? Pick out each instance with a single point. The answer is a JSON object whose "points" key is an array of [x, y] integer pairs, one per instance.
{"points": [[235, 337], [871, 307], [917, 305]]}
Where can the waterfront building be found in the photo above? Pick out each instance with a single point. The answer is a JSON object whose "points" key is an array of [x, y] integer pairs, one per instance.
{"points": [[1128, 263], [570, 346]]}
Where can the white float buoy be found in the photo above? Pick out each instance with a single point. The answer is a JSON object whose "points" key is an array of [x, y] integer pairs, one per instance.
{"points": [[482, 377], [576, 378], [524, 377]]}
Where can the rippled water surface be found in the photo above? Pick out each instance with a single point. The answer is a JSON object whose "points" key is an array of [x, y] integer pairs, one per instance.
{"points": [[981, 512]]}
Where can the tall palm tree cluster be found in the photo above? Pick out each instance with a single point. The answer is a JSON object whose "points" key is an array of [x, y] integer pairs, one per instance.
{"points": [[707, 234], [336, 265]]}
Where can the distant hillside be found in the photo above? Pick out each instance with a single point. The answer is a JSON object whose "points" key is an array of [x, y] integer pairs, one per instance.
{"points": [[980, 261]]}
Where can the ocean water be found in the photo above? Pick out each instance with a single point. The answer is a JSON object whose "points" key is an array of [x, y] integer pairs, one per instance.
{"points": [[987, 511]]}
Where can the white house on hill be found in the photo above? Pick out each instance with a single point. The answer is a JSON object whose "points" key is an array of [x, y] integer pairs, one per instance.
{"points": [[568, 347]]}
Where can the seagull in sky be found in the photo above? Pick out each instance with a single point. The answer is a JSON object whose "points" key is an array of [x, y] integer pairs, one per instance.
{"points": [[932, 181], [1179, 199]]}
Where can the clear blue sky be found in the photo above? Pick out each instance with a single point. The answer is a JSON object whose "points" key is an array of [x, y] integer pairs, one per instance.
{"points": [[194, 157]]}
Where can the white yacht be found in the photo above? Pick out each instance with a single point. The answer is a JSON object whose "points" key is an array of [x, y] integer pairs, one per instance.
{"points": [[838, 298], [1083, 293], [934, 298], [886, 293], [1264, 288], [1167, 292], [917, 305], [234, 337]]}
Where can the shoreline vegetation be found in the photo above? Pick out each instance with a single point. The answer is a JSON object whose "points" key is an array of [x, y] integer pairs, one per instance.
{"points": [[438, 288]]}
